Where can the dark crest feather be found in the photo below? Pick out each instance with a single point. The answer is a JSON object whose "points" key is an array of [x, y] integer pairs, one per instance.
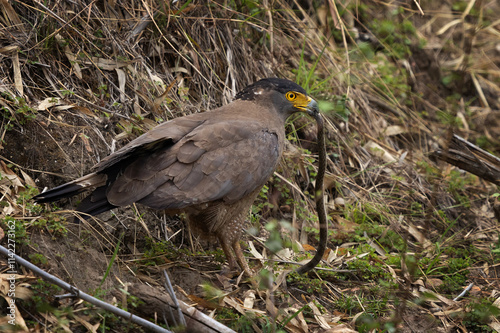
{"points": [[281, 85]]}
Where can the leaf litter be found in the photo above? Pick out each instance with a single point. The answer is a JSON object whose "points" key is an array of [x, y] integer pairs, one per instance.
{"points": [[400, 220]]}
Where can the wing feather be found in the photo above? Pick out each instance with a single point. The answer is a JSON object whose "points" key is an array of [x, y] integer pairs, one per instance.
{"points": [[189, 152], [162, 135], [227, 171]]}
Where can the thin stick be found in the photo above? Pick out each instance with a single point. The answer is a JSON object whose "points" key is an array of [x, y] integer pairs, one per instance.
{"points": [[80, 294], [170, 290], [462, 294]]}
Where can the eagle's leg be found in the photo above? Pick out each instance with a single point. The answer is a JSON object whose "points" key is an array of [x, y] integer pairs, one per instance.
{"points": [[233, 266], [244, 265], [236, 258], [241, 259]]}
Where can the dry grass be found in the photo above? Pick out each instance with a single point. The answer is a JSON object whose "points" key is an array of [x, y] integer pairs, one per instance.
{"points": [[80, 78]]}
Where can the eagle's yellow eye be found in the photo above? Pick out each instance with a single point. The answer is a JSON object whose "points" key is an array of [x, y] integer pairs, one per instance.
{"points": [[291, 96]]}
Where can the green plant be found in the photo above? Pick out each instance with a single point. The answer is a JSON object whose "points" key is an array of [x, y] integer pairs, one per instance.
{"points": [[369, 269], [456, 183], [260, 206], [367, 213], [289, 318], [24, 199], [495, 250], [38, 259], [113, 257], [337, 107], [347, 304], [155, 252], [131, 300], [103, 91], [366, 323], [132, 126], [455, 275], [232, 319], [212, 294], [396, 35], [478, 314], [43, 295], [307, 284], [67, 93], [276, 241], [55, 224], [390, 85], [306, 75], [15, 110], [16, 230]]}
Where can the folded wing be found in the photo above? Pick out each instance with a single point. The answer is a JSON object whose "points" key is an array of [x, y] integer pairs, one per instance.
{"points": [[226, 161]]}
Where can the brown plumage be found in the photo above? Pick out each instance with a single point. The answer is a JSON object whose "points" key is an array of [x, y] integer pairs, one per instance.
{"points": [[208, 165]]}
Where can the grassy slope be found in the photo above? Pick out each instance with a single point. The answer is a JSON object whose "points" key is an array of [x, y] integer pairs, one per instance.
{"points": [[408, 233]]}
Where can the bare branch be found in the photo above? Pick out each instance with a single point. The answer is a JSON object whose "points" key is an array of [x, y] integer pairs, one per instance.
{"points": [[80, 294]]}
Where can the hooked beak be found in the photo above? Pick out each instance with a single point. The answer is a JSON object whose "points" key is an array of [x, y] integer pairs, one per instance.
{"points": [[312, 108]]}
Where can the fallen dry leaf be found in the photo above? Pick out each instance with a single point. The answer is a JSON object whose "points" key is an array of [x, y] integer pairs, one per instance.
{"points": [[203, 302], [308, 247], [377, 150], [321, 320], [340, 328]]}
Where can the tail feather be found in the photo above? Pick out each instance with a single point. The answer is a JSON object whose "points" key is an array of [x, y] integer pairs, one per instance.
{"points": [[72, 188], [95, 203]]}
